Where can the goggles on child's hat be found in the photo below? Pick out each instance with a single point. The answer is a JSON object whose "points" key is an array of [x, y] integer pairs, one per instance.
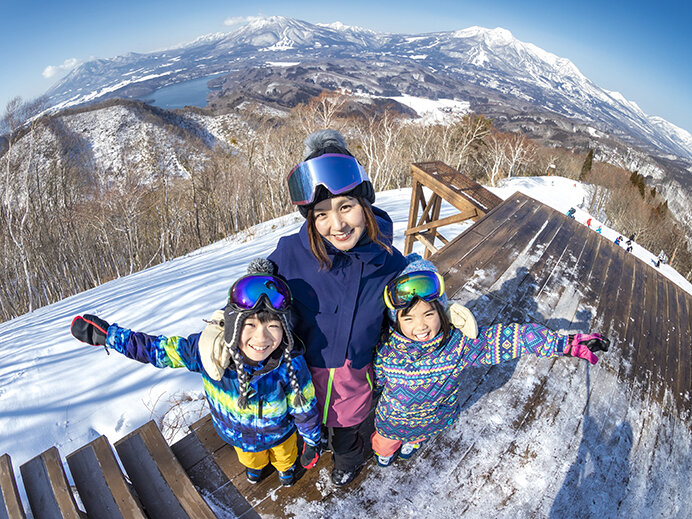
{"points": [[249, 290], [338, 173], [425, 284]]}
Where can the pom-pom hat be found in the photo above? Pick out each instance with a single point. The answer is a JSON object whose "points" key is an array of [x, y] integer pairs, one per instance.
{"points": [[328, 170], [415, 263], [260, 290]]}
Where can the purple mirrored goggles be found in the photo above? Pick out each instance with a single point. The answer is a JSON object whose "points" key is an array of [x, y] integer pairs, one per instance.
{"points": [[247, 292], [338, 173]]}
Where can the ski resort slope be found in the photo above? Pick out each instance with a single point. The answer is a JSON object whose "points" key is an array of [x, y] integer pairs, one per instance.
{"points": [[57, 391]]}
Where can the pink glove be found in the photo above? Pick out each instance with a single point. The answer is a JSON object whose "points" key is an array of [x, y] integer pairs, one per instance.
{"points": [[583, 345]]}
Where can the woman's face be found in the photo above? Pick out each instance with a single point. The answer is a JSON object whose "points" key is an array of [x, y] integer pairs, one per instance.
{"points": [[422, 323], [340, 220]]}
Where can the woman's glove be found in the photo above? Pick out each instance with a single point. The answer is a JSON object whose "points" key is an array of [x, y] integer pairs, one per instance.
{"points": [[310, 456], [90, 329], [212, 348], [463, 320], [582, 345]]}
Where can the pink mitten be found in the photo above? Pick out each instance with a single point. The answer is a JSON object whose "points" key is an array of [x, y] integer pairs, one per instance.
{"points": [[583, 345]]}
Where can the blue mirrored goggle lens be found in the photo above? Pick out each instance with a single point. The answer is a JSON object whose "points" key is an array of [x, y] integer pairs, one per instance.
{"points": [[425, 284], [247, 291], [338, 173]]}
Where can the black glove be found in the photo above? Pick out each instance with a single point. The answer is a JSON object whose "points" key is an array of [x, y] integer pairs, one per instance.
{"points": [[310, 456], [90, 329]]}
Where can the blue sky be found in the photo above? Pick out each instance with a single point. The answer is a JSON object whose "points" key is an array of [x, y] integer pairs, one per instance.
{"points": [[641, 49]]}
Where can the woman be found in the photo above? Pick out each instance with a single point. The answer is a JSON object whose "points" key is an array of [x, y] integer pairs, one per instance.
{"points": [[337, 266]]}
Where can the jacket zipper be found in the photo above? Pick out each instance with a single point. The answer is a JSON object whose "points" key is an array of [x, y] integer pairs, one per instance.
{"points": [[259, 408]]}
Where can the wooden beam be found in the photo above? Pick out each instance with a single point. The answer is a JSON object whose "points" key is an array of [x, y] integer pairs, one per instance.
{"points": [[10, 503], [429, 246], [47, 489], [101, 485], [456, 218], [160, 481]]}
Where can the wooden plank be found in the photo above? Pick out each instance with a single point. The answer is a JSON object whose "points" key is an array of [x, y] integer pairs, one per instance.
{"points": [[160, 481], [684, 376], [672, 338], [473, 237], [465, 267], [643, 368], [10, 502], [47, 489], [621, 304], [205, 473], [633, 336], [101, 486], [661, 342], [416, 194], [465, 188], [452, 195], [449, 220]]}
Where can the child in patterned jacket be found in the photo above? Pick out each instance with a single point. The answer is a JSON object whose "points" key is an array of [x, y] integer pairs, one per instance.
{"points": [[419, 366], [255, 379]]}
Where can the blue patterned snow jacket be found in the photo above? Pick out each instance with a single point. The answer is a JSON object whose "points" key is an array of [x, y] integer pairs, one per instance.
{"points": [[420, 379], [270, 417], [338, 312]]}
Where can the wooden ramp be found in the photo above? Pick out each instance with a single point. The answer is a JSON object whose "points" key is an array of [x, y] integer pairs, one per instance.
{"points": [[536, 438]]}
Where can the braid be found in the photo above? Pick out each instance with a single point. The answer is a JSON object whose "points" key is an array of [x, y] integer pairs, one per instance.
{"points": [[299, 400], [238, 361]]}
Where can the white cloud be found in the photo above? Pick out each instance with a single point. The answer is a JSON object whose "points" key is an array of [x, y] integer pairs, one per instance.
{"points": [[53, 70], [237, 20]]}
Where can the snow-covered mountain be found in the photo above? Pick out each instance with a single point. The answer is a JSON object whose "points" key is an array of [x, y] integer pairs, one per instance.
{"points": [[489, 66]]}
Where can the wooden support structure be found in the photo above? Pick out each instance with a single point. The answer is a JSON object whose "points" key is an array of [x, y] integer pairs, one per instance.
{"points": [[100, 483], [470, 198], [10, 502], [162, 485], [49, 494]]}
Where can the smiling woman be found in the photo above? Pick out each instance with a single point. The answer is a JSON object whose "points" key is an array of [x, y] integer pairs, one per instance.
{"points": [[337, 266]]}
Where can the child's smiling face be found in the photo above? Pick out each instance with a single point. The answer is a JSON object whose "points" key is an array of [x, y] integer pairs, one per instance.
{"points": [[422, 322], [258, 340]]}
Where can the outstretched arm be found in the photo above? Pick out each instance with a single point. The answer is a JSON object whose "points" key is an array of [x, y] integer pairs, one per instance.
{"points": [[161, 351]]}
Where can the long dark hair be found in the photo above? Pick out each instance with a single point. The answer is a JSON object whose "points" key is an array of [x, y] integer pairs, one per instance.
{"points": [[445, 325], [316, 240]]}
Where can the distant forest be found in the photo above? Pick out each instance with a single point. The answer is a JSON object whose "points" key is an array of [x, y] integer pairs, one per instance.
{"points": [[70, 229]]}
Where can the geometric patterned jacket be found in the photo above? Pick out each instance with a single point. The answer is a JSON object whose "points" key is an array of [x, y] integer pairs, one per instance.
{"points": [[271, 416], [420, 379]]}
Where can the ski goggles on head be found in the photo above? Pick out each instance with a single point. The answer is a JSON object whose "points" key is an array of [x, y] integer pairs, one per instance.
{"points": [[338, 173], [249, 290], [426, 284]]}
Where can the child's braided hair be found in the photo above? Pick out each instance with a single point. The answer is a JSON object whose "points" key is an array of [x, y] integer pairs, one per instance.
{"points": [[234, 320]]}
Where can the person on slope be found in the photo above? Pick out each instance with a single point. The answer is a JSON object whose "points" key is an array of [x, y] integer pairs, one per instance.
{"points": [[419, 365], [337, 265], [254, 376]]}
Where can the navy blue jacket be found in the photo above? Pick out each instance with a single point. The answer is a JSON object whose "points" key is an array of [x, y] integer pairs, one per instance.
{"points": [[338, 312]]}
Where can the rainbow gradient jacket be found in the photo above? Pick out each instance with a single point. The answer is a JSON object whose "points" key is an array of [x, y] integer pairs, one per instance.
{"points": [[420, 379], [270, 417]]}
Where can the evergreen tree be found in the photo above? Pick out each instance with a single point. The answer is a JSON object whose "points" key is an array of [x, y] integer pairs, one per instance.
{"points": [[586, 167]]}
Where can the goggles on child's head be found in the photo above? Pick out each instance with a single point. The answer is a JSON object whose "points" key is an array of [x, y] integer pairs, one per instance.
{"points": [[338, 173], [426, 284], [248, 290]]}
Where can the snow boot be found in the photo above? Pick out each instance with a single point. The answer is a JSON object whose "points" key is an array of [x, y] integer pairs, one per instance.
{"points": [[344, 477], [384, 461], [408, 450], [288, 477]]}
